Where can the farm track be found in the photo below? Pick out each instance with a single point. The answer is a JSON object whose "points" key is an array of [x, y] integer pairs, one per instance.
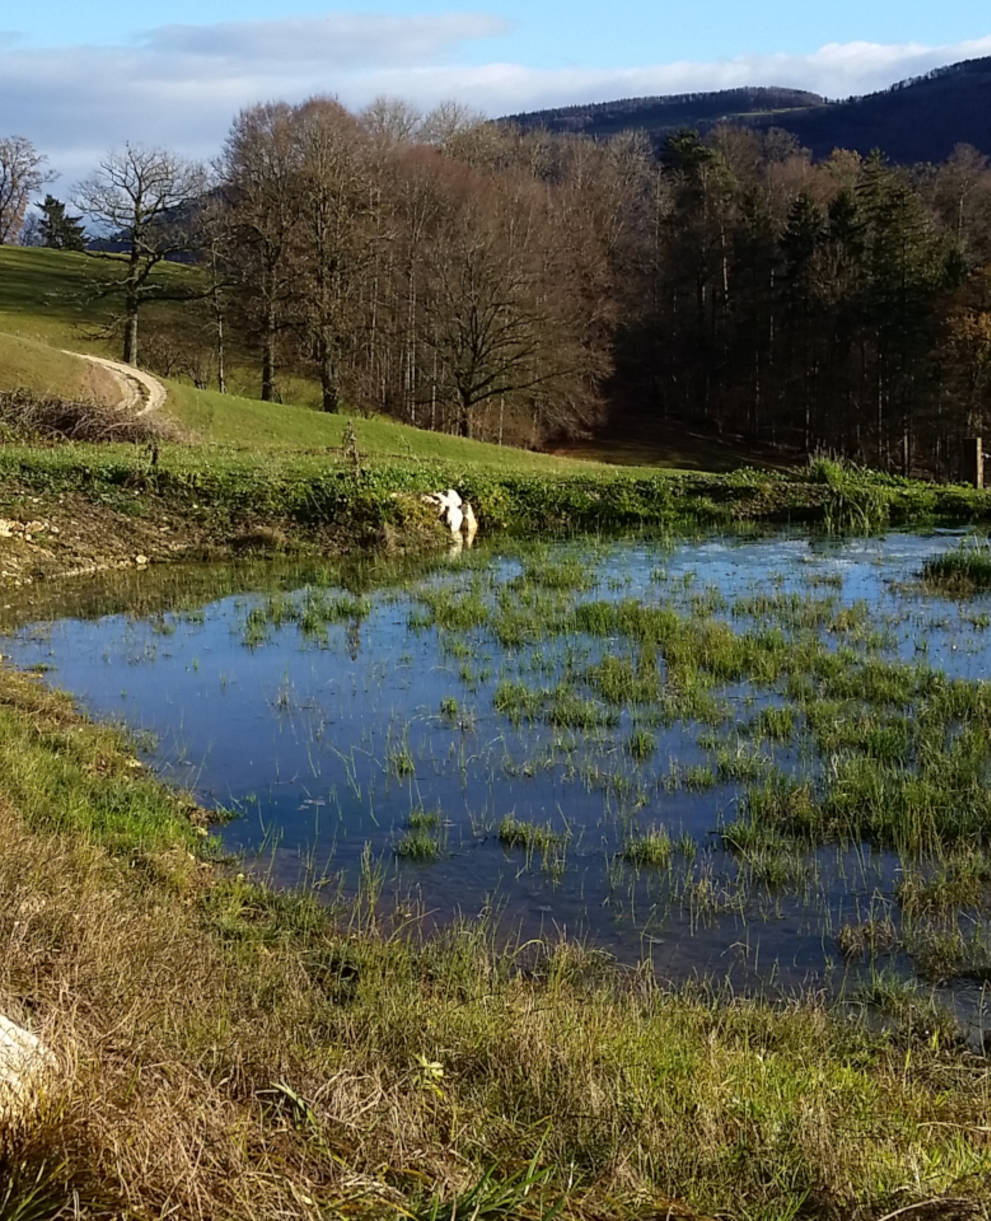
{"points": [[140, 392]]}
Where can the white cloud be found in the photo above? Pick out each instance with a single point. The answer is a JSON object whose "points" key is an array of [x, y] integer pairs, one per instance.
{"points": [[180, 86], [339, 41], [836, 71]]}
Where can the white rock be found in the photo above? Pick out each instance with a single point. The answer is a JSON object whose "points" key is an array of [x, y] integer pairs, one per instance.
{"points": [[25, 1063]]}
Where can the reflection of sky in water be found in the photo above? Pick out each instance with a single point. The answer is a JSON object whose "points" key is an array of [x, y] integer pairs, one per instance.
{"points": [[297, 735]]}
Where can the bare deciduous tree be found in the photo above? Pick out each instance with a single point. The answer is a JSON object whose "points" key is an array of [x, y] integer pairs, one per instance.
{"points": [[336, 201], [502, 312], [138, 197], [391, 121], [259, 171], [22, 172]]}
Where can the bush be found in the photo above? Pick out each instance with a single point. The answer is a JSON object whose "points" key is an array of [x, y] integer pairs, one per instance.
{"points": [[27, 416]]}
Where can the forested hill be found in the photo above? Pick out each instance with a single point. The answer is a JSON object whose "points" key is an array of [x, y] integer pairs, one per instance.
{"points": [[915, 120], [661, 115]]}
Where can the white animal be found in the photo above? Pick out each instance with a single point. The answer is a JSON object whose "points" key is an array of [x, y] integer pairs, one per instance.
{"points": [[449, 506]]}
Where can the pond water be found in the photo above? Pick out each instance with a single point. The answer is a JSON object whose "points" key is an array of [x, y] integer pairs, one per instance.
{"points": [[482, 736]]}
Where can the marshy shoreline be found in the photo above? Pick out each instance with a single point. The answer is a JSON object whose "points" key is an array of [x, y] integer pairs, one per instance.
{"points": [[83, 508], [229, 1048]]}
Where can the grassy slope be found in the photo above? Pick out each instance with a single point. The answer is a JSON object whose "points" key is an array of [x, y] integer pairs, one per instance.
{"points": [[248, 424], [253, 464], [47, 296], [46, 299], [27, 364], [661, 446]]}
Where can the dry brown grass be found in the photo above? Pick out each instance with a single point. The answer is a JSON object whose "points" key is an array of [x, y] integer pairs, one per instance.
{"points": [[231, 1052], [27, 416]]}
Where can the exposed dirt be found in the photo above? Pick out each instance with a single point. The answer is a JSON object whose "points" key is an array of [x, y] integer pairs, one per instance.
{"points": [[138, 390], [70, 534]]}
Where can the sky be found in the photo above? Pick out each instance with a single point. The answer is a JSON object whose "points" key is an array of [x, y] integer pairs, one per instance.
{"points": [[80, 78]]}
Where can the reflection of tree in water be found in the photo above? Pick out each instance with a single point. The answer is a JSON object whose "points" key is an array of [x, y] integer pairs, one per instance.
{"points": [[354, 637]]}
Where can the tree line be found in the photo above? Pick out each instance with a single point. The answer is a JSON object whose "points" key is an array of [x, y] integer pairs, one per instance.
{"points": [[514, 284]]}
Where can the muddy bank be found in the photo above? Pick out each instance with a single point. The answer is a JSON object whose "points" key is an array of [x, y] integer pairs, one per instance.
{"points": [[75, 534]]}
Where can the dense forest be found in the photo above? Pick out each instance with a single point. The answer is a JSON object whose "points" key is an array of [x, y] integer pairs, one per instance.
{"points": [[661, 116], [522, 286], [514, 285]]}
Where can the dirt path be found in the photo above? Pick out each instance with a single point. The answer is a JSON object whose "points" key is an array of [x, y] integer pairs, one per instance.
{"points": [[139, 391]]}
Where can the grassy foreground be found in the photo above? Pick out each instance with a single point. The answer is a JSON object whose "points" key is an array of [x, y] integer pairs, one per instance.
{"points": [[230, 1052]]}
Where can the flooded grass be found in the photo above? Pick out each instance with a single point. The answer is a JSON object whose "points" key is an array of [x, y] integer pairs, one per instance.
{"points": [[654, 849], [514, 833], [715, 742], [965, 570], [420, 844]]}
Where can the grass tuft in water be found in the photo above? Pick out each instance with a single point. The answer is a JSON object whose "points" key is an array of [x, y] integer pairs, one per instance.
{"points": [[641, 745], [654, 849], [515, 833], [420, 844], [870, 937], [965, 570], [424, 820]]}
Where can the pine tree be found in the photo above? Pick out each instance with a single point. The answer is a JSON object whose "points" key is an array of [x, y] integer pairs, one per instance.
{"points": [[800, 328], [59, 230]]}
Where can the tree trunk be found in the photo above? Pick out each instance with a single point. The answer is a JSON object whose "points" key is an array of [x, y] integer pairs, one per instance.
{"points": [[268, 356], [218, 317], [131, 334], [464, 418], [221, 355], [329, 395]]}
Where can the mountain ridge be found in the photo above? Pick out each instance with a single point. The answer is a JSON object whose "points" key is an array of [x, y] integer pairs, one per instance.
{"points": [[918, 119]]}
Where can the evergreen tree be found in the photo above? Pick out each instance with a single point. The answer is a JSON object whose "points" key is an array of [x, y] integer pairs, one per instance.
{"points": [[59, 230], [906, 270], [800, 331]]}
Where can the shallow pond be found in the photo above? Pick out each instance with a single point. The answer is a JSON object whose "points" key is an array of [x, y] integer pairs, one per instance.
{"points": [[500, 731]]}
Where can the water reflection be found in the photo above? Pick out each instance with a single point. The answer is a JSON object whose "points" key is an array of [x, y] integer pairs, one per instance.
{"points": [[337, 709]]}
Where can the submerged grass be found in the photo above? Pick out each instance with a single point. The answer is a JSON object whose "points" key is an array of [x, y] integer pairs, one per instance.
{"points": [[965, 570], [654, 848], [516, 833], [420, 844], [231, 1051]]}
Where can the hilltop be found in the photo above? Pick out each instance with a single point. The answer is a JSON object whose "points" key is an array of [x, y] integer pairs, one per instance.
{"points": [[920, 119]]}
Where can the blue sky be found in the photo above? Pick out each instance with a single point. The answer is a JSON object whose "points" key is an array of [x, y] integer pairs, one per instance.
{"points": [[550, 33], [78, 78]]}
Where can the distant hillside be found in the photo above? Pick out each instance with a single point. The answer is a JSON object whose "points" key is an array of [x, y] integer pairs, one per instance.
{"points": [[660, 115], [915, 120]]}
